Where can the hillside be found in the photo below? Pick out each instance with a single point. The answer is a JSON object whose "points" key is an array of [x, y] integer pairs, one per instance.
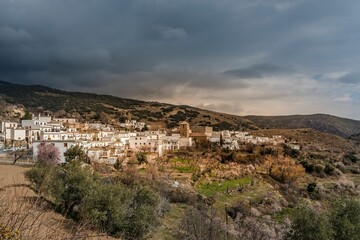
{"points": [[92, 107], [322, 122], [312, 139]]}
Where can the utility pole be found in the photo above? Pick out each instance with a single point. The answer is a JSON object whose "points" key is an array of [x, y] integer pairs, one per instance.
{"points": [[226, 222]]}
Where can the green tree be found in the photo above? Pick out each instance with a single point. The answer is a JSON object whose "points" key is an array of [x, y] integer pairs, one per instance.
{"points": [[70, 184], [309, 225], [345, 219], [123, 211], [141, 157], [27, 116], [38, 175], [76, 153]]}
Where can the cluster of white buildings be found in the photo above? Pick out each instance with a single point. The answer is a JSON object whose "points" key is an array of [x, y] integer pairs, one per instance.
{"points": [[233, 139], [133, 124], [103, 143]]}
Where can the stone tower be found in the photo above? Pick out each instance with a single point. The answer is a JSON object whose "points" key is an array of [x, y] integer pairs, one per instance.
{"points": [[184, 129]]}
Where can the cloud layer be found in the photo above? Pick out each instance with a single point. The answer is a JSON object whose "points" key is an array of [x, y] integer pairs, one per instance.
{"points": [[238, 56]]}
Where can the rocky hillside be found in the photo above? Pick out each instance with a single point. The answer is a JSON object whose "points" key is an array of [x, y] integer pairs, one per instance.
{"points": [[16, 98], [93, 107], [322, 122]]}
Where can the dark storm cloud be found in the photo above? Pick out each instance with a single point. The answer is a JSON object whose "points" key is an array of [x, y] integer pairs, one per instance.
{"points": [[159, 48], [258, 71], [350, 78], [10, 36]]}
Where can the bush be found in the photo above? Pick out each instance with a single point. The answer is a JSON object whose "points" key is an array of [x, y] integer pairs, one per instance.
{"points": [[176, 195], [37, 176], [311, 187], [288, 151], [76, 153], [342, 222], [141, 158], [7, 233], [319, 168], [70, 184], [118, 165], [345, 219], [309, 167], [349, 157], [329, 169], [122, 211], [201, 224], [310, 225], [284, 170]]}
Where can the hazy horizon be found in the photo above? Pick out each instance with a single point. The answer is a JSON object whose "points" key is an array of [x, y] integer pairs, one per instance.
{"points": [[247, 57]]}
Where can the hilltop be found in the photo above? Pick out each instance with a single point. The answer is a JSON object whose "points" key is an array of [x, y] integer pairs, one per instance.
{"points": [[342, 127], [111, 109], [92, 107]]}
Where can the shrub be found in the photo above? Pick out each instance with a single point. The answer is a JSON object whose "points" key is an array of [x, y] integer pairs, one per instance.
{"points": [[309, 167], [76, 153], [118, 165], [37, 176], [311, 187], [350, 157], [70, 184], [7, 233], [141, 158], [176, 195], [127, 212], [268, 151], [284, 170], [329, 169], [288, 151], [310, 225], [345, 218], [319, 168], [201, 224], [122, 211]]}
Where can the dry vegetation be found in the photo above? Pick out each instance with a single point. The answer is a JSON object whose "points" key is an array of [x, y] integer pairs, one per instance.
{"points": [[25, 215], [310, 138], [252, 193]]}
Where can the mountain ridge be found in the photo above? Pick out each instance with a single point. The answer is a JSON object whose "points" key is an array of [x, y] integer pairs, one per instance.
{"points": [[92, 107], [340, 126]]}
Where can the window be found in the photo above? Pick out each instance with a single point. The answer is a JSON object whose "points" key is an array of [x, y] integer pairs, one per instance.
{"points": [[65, 145]]}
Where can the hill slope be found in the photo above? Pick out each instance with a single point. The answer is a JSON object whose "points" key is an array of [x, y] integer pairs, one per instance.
{"points": [[322, 122], [92, 107]]}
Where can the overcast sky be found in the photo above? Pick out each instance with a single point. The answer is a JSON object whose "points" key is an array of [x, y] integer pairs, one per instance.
{"points": [[264, 57]]}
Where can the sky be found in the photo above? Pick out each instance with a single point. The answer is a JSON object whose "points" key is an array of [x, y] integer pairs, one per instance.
{"points": [[245, 57]]}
